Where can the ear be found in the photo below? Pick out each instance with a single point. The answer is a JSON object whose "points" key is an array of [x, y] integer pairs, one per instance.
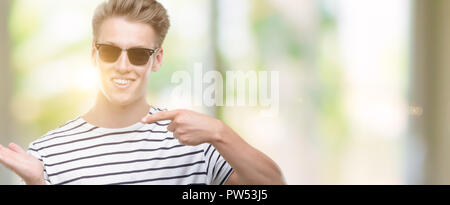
{"points": [[94, 55], [158, 60]]}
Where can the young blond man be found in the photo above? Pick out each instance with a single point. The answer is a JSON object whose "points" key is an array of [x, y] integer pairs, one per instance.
{"points": [[124, 140]]}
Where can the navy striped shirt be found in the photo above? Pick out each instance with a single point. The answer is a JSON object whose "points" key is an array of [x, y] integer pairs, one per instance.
{"points": [[81, 153]]}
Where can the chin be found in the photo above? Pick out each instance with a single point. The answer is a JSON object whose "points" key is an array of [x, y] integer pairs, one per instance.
{"points": [[122, 100]]}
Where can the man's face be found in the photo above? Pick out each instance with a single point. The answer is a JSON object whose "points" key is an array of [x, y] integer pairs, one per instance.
{"points": [[123, 83]]}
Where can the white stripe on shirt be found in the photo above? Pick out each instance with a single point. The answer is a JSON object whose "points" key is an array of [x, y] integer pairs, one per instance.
{"points": [[81, 153]]}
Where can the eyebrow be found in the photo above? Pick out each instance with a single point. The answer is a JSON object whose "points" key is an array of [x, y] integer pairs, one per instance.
{"points": [[113, 44]]}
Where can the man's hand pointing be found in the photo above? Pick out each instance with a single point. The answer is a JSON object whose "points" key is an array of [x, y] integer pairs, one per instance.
{"points": [[190, 128]]}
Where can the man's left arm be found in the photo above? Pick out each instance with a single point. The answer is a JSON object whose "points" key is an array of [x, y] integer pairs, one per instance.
{"points": [[249, 164]]}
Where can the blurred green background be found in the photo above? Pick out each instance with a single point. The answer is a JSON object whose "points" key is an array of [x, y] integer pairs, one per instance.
{"points": [[360, 95]]}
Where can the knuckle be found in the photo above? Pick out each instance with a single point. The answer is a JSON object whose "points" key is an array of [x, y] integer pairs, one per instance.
{"points": [[181, 131], [175, 135], [183, 112], [178, 132], [183, 140], [178, 120]]}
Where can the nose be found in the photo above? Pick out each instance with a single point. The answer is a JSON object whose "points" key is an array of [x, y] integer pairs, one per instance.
{"points": [[122, 64]]}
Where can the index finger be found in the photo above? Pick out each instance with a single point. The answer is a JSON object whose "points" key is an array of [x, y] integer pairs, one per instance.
{"points": [[160, 116], [16, 148]]}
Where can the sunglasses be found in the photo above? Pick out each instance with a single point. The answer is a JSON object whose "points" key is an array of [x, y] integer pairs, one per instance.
{"points": [[136, 56]]}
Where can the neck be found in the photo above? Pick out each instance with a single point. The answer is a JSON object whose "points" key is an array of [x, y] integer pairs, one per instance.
{"points": [[108, 115]]}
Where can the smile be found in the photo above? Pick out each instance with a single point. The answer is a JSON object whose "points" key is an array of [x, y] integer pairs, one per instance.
{"points": [[122, 83]]}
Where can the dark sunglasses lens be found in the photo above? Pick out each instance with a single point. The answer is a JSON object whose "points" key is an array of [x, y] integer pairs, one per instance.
{"points": [[139, 56], [109, 54]]}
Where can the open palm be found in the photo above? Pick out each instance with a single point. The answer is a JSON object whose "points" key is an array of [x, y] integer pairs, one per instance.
{"points": [[23, 164]]}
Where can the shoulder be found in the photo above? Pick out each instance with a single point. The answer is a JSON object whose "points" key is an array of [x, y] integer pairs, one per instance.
{"points": [[67, 127], [154, 110]]}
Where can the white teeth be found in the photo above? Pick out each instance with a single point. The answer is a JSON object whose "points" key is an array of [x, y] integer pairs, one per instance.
{"points": [[121, 81]]}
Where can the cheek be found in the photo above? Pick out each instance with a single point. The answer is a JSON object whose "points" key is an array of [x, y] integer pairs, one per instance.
{"points": [[147, 73], [143, 73], [103, 73], [104, 69]]}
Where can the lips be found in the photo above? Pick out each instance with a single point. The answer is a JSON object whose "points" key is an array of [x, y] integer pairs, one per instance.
{"points": [[122, 82]]}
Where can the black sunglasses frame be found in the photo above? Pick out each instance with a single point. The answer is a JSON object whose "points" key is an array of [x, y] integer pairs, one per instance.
{"points": [[131, 57]]}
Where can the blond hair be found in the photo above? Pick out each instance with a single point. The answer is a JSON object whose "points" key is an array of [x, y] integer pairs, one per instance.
{"points": [[149, 12]]}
